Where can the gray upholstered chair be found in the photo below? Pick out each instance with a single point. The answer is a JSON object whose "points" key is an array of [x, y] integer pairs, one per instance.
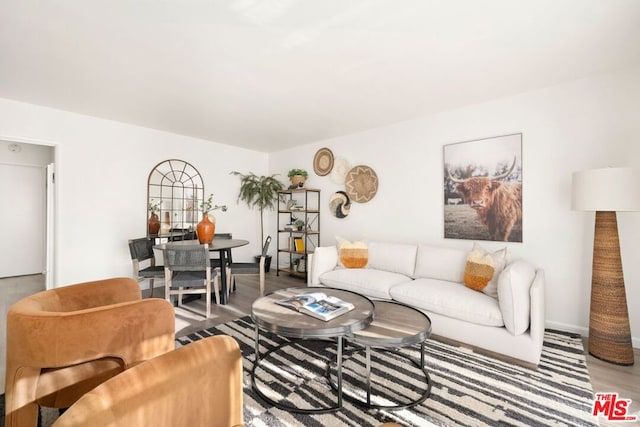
{"points": [[142, 252], [215, 261], [249, 268], [187, 270]]}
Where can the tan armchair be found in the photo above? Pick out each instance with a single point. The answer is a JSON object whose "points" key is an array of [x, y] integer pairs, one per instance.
{"points": [[199, 384], [64, 342]]}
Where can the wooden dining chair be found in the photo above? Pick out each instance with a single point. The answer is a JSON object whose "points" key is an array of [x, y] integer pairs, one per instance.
{"points": [[249, 268], [215, 262], [142, 253], [188, 271]]}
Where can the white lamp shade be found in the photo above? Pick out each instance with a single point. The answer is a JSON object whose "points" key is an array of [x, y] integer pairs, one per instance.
{"points": [[607, 189]]}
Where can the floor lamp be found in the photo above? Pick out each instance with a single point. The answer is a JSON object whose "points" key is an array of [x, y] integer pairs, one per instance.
{"points": [[607, 191]]}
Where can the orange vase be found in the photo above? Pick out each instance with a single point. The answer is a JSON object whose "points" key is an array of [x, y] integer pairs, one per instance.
{"points": [[206, 229], [154, 224]]}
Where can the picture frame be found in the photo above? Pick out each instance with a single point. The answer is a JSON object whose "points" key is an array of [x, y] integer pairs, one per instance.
{"points": [[483, 189], [299, 244]]}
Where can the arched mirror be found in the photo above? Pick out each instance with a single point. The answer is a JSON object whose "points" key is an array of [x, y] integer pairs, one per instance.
{"points": [[174, 193]]}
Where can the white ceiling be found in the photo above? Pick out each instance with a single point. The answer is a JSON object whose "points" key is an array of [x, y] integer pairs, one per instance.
{"points": [[271, 74]]}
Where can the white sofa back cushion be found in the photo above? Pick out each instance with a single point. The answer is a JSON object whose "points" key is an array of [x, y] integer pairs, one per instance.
{"points": [[440, 263], [449, 299], [393, 257], [513, 295]]}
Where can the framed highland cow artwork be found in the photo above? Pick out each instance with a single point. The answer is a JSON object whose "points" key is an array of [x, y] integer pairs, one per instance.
{"points": [[483, 189]]}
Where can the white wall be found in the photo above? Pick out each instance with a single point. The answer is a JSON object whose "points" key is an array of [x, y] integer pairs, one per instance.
{"points": [[589, 123], [101, 183], [102, 168]]}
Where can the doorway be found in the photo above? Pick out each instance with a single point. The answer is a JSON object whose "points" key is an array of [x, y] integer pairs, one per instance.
{"points": [[26, 207]]}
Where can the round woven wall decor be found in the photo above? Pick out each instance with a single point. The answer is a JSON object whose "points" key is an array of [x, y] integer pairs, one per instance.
{"points": [[361, 183], [323, 162], [340, 168], [339, 204]]}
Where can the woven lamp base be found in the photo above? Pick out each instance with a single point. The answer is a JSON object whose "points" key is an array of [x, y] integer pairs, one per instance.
{"points": [[609, 330]]}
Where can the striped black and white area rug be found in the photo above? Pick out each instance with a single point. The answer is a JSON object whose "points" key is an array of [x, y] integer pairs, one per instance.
{"points": [[468, 389]]}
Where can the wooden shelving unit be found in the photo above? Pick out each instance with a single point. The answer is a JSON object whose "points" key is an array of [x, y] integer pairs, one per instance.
{"points": [[302, 205]]}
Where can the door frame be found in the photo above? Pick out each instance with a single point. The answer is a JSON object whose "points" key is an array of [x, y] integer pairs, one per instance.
{"points": [[51, 208]]}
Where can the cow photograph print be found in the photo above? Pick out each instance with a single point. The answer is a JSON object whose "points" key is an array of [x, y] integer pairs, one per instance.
{"points": [[483, 189]]}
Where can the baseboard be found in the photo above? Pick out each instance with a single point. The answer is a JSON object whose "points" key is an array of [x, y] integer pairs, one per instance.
{"points": [[635, 341]]}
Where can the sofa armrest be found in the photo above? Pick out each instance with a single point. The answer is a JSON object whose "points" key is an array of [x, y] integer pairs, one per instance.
{"points": [[537, 322], [325, 258]]}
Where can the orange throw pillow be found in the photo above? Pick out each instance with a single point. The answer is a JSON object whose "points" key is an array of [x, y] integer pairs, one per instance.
{"points": [[352, 254], [481, 269]]}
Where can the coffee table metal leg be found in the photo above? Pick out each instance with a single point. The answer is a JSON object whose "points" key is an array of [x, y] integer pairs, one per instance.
{"points": [[278, 404], [257, 345], [368, 352], [360, 401], [339, 373]]}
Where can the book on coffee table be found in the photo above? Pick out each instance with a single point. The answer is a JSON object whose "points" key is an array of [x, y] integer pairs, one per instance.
{"points": [[318, 305]]}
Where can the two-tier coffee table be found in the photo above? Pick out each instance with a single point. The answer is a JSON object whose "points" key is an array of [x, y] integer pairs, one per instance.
{"points": [[395, 326], [269, 316]]}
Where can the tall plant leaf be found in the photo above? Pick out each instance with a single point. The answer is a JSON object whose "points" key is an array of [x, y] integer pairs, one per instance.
{"points": [[259, 192]]}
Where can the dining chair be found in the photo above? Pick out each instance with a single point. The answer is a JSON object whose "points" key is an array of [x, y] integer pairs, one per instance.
{"points": [[142, 252], [182, 234], [249, 268], [215, 262], [187, 270]]}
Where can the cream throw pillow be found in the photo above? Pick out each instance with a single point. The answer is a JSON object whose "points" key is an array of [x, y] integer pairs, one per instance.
{"points": [[352, 254], [482, 270]]}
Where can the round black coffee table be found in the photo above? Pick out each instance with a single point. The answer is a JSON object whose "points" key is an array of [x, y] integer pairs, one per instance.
{"points": [[395, 325], [269, 316]]}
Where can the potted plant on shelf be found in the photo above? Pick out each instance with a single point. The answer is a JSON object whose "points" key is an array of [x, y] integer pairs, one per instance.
{"points": [[259, 192], [297, 177], [207, 227]]}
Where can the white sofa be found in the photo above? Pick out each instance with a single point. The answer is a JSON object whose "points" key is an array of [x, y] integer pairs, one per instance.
{"points": [[430, 278]]}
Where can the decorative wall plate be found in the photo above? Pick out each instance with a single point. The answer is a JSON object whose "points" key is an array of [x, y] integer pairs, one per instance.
{"points": [[361, 183], [340, 168], [339, 204], [323, 162]]}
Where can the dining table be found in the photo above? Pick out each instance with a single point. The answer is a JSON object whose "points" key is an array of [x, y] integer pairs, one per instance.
{"points": [[220, 245]]}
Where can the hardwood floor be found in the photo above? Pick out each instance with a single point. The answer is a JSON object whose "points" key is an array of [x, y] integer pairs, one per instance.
{"points": [[13, 289], [624, 380], [605, 377]]}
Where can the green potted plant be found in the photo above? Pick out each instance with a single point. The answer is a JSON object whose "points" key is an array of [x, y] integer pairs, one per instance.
{"points": [[297, 177], [259, 192]]}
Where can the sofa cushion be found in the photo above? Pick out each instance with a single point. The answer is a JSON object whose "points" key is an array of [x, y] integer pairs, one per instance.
{"points": [[449, 299], [393, 257], [482, 269], [366, 281], [513, 295], [478, 270], [352, 254], [440, 263]]}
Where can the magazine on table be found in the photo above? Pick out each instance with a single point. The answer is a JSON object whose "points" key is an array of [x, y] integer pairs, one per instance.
{"points": [[318, 305]]}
